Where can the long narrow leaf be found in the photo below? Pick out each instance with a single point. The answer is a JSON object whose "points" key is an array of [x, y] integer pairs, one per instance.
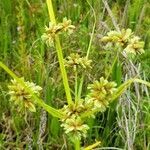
{"points": [[124, 86], [92, 146]]}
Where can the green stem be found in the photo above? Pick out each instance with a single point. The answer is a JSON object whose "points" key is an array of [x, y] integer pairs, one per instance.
{"points": [[77, 144], [125, 85], [54, 112], [76, 86], [51, 11], [60, 55], [92, 35], [88, 113], [80, 87]]}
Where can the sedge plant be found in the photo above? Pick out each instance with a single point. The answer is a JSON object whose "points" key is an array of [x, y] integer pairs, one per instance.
{"points": [[100, 93]]}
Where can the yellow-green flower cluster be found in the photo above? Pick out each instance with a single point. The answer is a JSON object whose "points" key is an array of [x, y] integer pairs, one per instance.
{"points": [[75, 128], [72, 123], [52, 30], [21, 97], [100, 93], [118, 37], [76, 61], [135, 46], [130, 43], [66, 26], [97, 100]]}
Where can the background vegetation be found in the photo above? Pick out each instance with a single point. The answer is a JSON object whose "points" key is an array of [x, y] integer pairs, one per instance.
{"points": [[126, 124]]}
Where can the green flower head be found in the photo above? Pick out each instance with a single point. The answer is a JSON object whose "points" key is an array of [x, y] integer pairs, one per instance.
{"points": [[72, 123], [52, 30], [22, 98], [100, 93], [120, 38], [75, 128], [67, 26], [50, 33], [76, 61], [72, 61], [135, 46], [125, 39]]}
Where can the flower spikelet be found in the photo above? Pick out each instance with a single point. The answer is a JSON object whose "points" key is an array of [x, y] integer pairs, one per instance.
{"points": [[52, 30], [74, 127], [125, 39], [135, 46], [117, 37], [50, 33], [72, 61], [76, 61], [72, 122], [100, 93], [85, 62], [67, 26], [21, 97]]}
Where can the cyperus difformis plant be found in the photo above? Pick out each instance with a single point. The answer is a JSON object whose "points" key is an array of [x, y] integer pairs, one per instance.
{"points": [[74, 115]]}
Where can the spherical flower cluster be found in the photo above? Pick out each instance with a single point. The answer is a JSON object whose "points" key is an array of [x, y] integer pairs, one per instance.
{"points": [[72, 123], [52, 30], [76, 61], [66, 26], [98, 99], [130, 43], [135, 46], [118, 37], [21, 97], [50, 33], [100, 93], [75, 128]]}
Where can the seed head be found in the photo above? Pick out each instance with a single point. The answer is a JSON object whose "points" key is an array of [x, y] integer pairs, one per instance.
{"points": [[125, 39], [67, 26], [76, 61], [135, 46], [118, 37], [52, 30], [74, 127], [100, 93], [21, 97]]}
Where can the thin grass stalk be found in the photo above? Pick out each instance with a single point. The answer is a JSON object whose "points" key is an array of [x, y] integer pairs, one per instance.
{"points": [[76, 86], [60, 54], [92, 35], [88, 50], [80, 86]]}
